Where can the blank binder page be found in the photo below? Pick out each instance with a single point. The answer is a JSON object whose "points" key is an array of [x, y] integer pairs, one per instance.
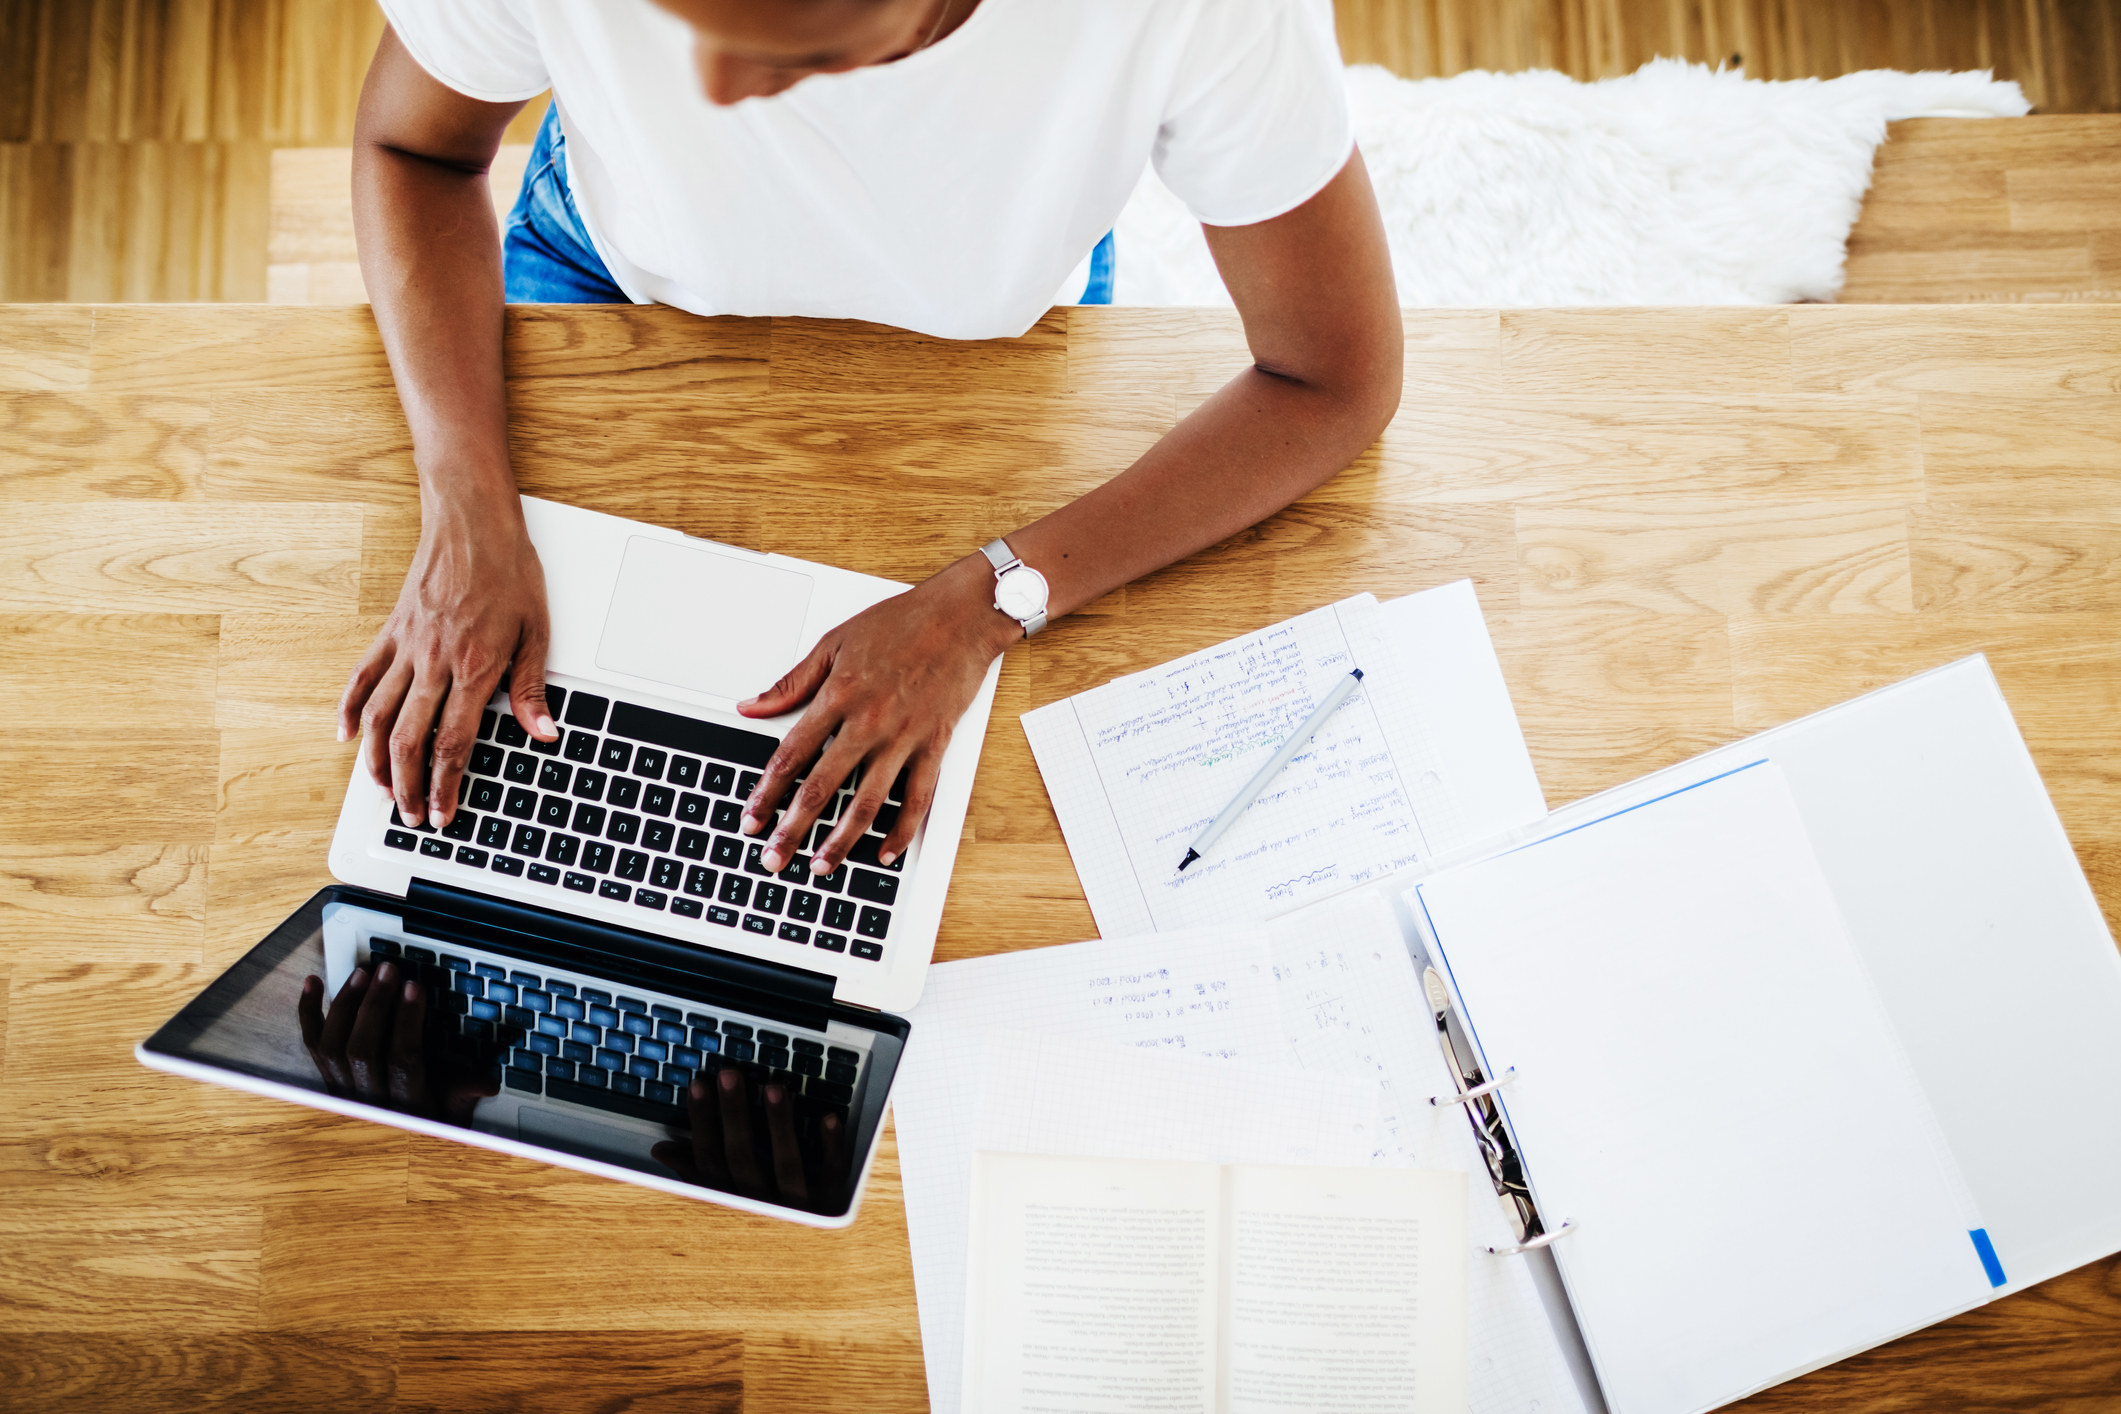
{"points": [[1708, 1088]]}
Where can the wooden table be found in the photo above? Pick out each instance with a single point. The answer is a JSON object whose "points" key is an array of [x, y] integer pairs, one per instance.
{"points": [[1685, 525]]}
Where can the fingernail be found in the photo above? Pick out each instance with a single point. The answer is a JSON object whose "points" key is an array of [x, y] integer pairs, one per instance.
{"points": [[411, 992], [342, 732], [546, 728], [359, 978], [751, 823], [699, 1090], [771, 858], [885, 857]]}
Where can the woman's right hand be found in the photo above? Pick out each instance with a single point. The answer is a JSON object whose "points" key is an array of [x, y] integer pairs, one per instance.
{"points": [[472, 608]]}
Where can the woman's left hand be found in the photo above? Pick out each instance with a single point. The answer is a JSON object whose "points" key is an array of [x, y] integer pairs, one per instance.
{"points": [[885, 690]]}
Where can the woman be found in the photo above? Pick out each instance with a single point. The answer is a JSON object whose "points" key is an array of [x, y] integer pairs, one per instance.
{"points": [[946, 166]]}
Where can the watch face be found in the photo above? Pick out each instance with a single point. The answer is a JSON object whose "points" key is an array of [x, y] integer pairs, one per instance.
{"points": [[1021, 592]]}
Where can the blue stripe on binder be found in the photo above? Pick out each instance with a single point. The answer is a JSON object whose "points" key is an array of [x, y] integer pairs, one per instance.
{"points": [[1987, 1249]]}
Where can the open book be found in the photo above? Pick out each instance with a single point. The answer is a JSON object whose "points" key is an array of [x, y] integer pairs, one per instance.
{"points": [[1102, 1286]]}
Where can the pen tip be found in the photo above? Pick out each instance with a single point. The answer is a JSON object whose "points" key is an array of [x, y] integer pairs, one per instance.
{"points": [[1191, 855], [1358, 674]]}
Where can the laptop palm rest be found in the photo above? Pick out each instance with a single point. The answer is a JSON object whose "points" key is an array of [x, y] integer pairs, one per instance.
{"points": [[702, 620]]}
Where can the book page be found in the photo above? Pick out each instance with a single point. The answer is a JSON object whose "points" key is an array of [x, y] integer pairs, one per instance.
{"points": [[1093, 1286], [1346, 1291], [1426, 755]]}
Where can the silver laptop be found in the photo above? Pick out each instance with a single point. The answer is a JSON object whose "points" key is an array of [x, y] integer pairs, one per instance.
{"points": [[606, 976]]}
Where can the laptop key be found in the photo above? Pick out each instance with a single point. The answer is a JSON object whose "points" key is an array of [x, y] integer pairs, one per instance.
{"points": [[767, 897], [758, 923], [508, 731], [839, 913], [486, 759], [616, 755], [462, 826], [612, 888], [728, 816], [596, 857], [486, 721], [794, 933], [559, 1068], [825, 1092], [589, 1077], [804, 1046], [886, 817], [608, 1059], [544, 874], [875, 923], [524, 1080], [521, 804], [866, 950], [625, 793], [736, 889], [577, 1051], [684, 771], [686, 907], [803, 906], [501, 991], [666, 873], [829, 942], [562, 849], [809, 1065], [588, 784], [727, 851], [626, 1084], [724, 916], [658, 1092], [720, 779], [586, 709], [507, 864], [400, 839], [637, 1023], [633, 865], [746, 784], [545, 748], [522, 768], [604, 1013], [692, 809], [554, 811], [864, 851], [396, 819], [476, 858], [831, 883], [649, 898], [529, 841], [623, 827], [582, 746], [649, 762], [591, 996], [580, 883], [755, 858], [874, 888], [736, 1030], [589, 820], [692, 844], [554, 775], [658, 835]]}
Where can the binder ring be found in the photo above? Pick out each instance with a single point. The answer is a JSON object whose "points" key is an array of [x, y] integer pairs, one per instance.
{"points": [[1545, 1239], [1467, 1097]]}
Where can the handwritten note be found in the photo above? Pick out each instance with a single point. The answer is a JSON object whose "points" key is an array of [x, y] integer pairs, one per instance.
{"points": [[1137, 767]]}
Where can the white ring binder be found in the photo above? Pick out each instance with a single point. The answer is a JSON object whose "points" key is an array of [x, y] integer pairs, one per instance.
{"points": [[1545, 1239], [1467, 1097]]}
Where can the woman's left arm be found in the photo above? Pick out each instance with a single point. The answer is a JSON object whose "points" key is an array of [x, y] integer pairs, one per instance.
{"points": [[1321, 315]]}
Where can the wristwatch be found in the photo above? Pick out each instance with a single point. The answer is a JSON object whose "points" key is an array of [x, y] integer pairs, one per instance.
{"points": [[1019, 590]]}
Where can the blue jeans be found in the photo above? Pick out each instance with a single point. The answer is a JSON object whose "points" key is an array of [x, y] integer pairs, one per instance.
{"points": [[547, 256]]}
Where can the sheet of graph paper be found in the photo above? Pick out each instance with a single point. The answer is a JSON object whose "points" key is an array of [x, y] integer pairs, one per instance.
{"points": [[1329, 991], [1425, 756]]}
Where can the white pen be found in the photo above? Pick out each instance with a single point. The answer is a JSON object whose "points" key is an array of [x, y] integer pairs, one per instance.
{"points": [[1242, 801]]}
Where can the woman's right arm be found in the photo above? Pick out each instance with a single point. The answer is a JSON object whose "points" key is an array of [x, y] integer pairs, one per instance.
{"points": [[473, 602]]}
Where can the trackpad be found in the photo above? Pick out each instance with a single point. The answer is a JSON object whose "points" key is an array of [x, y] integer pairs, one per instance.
{"points": [[699, 619], [587, 1139]]}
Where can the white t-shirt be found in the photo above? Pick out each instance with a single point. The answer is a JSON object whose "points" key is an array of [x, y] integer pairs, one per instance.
{"points": [[951, 192]]}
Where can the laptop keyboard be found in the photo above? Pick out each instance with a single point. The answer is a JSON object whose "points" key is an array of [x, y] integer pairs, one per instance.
{"points": [[614, 1049], [640, 805]]}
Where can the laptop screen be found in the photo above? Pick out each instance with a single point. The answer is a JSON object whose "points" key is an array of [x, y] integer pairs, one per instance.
{"points": [[652, 1070]]}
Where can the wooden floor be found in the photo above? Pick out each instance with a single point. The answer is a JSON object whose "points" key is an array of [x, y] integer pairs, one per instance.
{"points": [[1684, 526], [135, 135]]}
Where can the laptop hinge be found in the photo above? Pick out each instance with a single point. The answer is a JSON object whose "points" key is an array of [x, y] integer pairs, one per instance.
{"points": [[445, 908]]}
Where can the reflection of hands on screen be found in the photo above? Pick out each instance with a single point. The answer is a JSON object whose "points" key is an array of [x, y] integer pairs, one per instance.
{"points": [[799, 1159], [378, 1044]]}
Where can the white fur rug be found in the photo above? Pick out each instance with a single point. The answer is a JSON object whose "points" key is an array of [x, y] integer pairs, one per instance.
{"points": [[1675, 185]]}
